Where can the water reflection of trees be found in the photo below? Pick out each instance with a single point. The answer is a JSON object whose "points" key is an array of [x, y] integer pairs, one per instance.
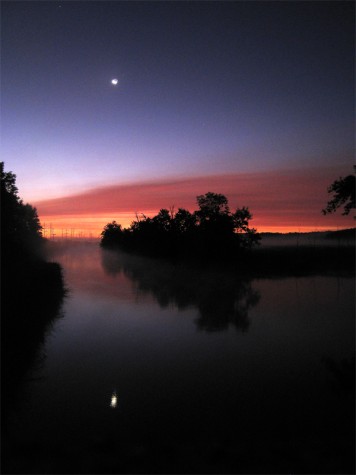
{"points": [[26, 322], [222, 298], [29, 311]]}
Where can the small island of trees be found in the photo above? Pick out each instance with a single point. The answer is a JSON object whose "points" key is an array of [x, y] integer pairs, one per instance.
{"points": [[212, 230], [213, 234]]}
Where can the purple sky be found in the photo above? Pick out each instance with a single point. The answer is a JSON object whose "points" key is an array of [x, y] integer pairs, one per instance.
{"points": [[204, 88]]}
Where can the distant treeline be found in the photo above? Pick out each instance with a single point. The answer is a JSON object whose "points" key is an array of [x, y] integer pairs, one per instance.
{"points": [[345, 234], [212, 230]]}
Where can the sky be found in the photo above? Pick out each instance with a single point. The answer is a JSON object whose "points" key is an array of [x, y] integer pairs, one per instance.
{"points": [[251, 99]]}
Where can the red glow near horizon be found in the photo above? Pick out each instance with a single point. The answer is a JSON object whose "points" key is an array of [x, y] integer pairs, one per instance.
{"points": [[284, 201]]}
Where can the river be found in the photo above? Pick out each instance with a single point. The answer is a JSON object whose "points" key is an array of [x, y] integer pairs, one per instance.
{"points": [[154, 368]]}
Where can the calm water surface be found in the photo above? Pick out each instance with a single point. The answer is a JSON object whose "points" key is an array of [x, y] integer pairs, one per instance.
{"points": [[153, 368]]}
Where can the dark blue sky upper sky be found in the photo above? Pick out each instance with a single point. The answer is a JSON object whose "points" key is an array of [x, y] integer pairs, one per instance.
{"points": [[204, 88]]}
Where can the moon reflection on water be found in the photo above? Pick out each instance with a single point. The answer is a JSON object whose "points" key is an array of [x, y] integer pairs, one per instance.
{"points": [[113, 402]]}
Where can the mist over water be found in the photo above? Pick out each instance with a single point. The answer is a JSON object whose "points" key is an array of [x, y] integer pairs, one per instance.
{"points": [[157, 368], [313, 239]]}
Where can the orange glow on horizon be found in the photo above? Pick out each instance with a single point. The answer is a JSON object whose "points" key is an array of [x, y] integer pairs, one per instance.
{"points": [[64, 227], [78, 226], [284, 201]]}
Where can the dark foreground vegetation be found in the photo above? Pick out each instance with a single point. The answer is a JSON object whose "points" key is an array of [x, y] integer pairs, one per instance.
{"points": [[213, 236], [32, 291]]}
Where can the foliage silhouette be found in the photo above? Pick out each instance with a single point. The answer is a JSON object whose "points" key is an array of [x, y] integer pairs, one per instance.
{"points": [[111, 234], [21, 230], [22, 245], [212, 231], [344, 195], [32, 291]]}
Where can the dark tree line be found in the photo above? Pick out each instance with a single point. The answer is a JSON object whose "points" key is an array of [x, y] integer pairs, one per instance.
{"points": [[212, 230], [25, 273], [31, 294], [23, 265], [21, 237]]}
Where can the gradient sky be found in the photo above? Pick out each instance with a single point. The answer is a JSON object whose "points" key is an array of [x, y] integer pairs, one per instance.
{"points": [[207, 90]]}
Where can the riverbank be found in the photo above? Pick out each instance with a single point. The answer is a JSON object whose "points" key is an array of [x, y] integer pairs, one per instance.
{"points": [[276, 254], [32, 295]]}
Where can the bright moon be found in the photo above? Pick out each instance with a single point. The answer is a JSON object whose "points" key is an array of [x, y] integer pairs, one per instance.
{"points": [[114, 81]]}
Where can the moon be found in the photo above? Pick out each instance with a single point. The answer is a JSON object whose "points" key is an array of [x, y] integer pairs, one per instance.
{"points": [[115, 82]]}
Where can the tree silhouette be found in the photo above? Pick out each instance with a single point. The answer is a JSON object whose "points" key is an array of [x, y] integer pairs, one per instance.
{"points": [[211, 231], [32, 291], [344, 195], [184, 221], [212, 205], [21, 230], [111, 234], [219, 224], [163, 220]]}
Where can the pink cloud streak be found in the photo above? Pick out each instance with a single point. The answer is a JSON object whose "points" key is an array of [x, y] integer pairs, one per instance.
{"points": [[288, 199]]}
